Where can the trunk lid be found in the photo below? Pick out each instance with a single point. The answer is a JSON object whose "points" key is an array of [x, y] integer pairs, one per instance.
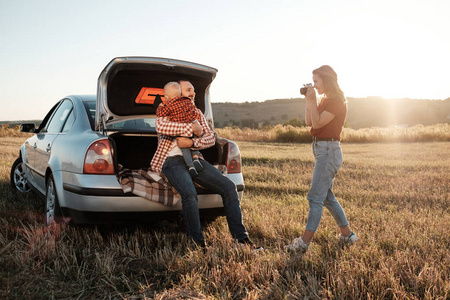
{"points": [[128, 87]]}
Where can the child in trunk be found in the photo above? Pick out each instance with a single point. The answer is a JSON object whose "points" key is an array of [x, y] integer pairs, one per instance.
{"points": [[181, 110]]}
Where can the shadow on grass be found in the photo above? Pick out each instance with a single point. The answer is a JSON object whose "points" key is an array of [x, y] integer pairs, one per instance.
{"points": [[272, 190], [15, 205], [259, 161], [20, 210]]}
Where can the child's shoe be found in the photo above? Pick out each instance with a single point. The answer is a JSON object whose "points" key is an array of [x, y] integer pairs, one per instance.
{"points": [[193, 172], [198, 165]]}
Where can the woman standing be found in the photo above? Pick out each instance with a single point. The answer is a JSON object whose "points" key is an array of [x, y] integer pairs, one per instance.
{"points": [[326, 120]]}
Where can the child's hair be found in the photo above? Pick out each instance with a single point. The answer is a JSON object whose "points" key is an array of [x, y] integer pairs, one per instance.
{"points": [[171, 90]]}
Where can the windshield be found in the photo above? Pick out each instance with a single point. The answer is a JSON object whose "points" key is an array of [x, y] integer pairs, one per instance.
{"points": [[147, 124]]}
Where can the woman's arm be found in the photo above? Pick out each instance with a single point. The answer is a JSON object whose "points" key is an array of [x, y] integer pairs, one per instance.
{"points": [[315, 119], [308, 113], [320, 120]]}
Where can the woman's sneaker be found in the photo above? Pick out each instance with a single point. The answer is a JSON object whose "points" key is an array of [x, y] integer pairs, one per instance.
{"points": [[349, 240], [297, 244]]}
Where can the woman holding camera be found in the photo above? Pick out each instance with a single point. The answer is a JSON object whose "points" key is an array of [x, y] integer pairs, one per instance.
{"points": [[326, 120]]}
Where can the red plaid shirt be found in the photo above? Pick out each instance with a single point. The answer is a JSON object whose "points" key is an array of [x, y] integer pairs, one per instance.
{"points": [[167, 133], [179, 109]]}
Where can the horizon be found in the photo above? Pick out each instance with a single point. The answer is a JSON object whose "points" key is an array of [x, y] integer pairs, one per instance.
{"points": [[281, 99], [395, 49], [348, 97]]}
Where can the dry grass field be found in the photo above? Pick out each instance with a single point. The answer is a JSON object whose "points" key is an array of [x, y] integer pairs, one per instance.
{"points": [[396, 196], [362, 112], [291, 134]]}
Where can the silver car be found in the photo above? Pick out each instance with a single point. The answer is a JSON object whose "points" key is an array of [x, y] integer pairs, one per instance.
{"points": [[73, 157]]}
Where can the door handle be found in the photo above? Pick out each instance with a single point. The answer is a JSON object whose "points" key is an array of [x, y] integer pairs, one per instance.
{"points": [[34, 146], [48, 148]]}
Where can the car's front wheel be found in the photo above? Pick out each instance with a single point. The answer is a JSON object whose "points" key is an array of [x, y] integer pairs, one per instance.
{"points": [[19, 181]]}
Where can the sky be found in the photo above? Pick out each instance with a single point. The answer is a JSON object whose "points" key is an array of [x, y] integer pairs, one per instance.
{"points": [[263, 49]]}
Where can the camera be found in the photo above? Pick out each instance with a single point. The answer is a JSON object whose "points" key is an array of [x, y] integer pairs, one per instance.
{"points": [[304, 89]]}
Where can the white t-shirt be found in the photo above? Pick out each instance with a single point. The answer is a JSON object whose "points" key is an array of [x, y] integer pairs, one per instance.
{"points": [[176, 151]]}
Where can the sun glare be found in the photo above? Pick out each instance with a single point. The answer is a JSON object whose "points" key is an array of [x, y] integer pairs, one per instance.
{"points": [[384, 56]]}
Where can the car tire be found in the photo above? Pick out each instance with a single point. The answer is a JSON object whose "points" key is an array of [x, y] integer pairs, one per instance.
{"points": [[18, 177], [52, 209]]}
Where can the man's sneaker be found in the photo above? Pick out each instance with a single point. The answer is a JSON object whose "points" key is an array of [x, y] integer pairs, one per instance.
{"points": [[297, 244], [246, 242], [193, 172], [198, 165], [351, 239]]}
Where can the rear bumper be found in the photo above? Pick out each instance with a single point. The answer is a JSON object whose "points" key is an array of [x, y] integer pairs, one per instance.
{"points": [[100, 199], [99, 192]]}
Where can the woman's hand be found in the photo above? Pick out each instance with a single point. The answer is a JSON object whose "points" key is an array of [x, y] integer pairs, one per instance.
{"points": [[311, 95]]}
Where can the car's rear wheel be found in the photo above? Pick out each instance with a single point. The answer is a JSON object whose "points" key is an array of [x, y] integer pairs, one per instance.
{"points": [[19, 181], [52, 209]]}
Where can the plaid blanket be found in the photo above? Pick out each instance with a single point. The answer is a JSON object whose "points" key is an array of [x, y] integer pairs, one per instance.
{"points": [[150, 185]]}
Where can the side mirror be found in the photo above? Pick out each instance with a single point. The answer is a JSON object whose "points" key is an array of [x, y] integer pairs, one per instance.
{"points": [[28, 127]]}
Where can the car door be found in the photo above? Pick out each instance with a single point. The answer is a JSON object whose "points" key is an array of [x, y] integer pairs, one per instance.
{"points": [[46, 139], [29, 157]]}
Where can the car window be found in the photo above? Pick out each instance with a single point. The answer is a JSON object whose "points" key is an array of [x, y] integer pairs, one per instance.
{"points": [[147, 124], [59, 117], [137, 124], [90, 110], [47, 117], [69, 122]]}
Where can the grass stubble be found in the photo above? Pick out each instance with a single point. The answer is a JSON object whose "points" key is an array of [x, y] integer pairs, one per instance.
{"points": [[396, 197], [293, 134]]}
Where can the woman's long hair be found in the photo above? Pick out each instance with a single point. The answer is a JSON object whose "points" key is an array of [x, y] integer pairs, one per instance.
{"points": [[329, 78]]}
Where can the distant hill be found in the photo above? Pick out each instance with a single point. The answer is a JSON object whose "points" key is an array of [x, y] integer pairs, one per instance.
{"points": [[13, 124], [362, 112]]}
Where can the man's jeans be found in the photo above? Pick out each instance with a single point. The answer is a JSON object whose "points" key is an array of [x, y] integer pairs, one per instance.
{"points": [[177, 173], [328, 156]]}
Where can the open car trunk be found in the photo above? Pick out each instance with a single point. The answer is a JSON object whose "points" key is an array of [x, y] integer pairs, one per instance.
{"points": [[130, 87], [135, 151]]}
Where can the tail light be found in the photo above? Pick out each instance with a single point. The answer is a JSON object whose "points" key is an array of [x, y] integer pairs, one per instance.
{"points": [[234, 161], [98, 159]]}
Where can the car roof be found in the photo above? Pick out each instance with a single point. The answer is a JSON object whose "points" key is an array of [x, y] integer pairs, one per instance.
{"points": [[84, 98]]}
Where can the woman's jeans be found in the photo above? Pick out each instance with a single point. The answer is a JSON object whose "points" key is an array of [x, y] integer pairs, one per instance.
{"points": [[328, 156], [177, 173]]}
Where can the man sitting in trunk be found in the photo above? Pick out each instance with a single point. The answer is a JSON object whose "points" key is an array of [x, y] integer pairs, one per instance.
{"points": [[181, 109], [169, 161]]}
